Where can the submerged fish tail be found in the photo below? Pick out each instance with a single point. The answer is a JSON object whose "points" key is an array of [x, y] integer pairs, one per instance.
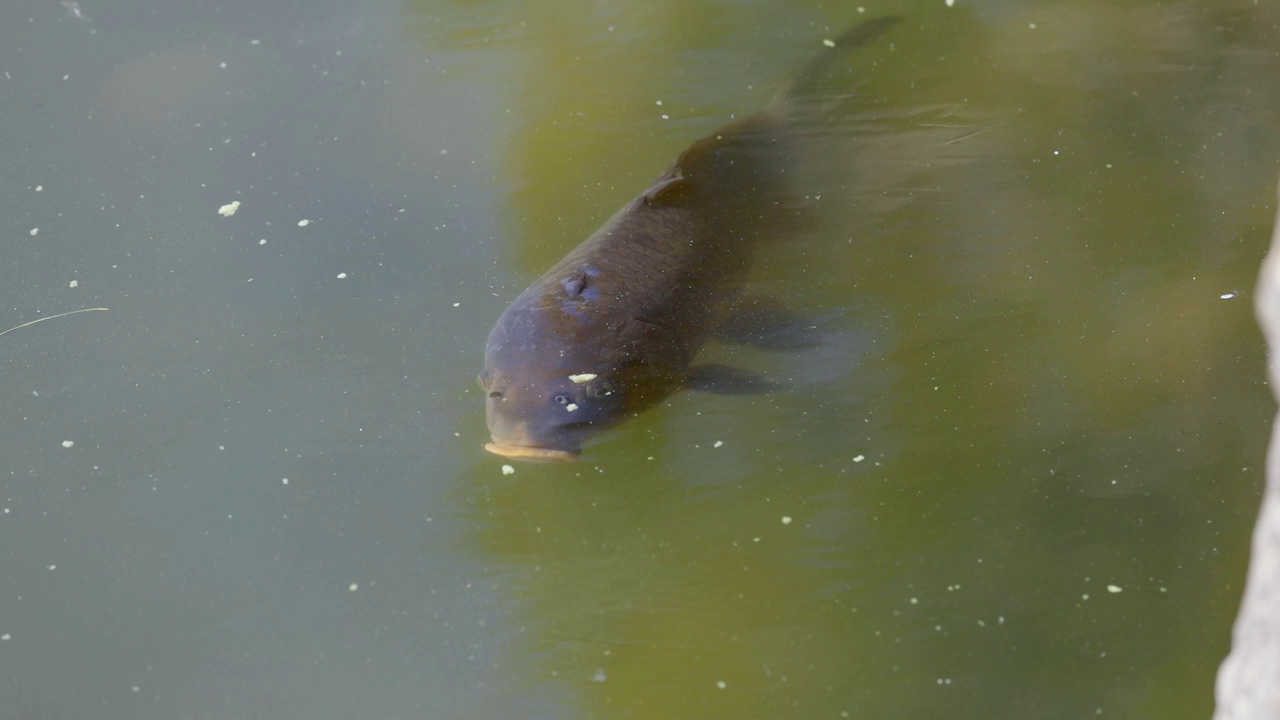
{"points": [[819, 69]]}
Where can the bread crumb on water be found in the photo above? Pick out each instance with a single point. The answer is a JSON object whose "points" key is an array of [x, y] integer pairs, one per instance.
{"points": [[582, 378], [229, 209], [508, 470]]}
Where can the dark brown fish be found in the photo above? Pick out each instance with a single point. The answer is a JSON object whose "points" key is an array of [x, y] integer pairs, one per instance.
{"points": [[616, 326]]}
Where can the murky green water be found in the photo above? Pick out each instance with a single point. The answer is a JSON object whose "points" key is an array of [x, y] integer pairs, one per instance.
{"points": [[1017, 481]]}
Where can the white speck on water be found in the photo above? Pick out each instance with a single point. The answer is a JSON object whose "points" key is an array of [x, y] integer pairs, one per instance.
{"points": [[1113, 589], [508, 470], [5, 636], [229, 209], [35, 231], [571, 407], [599, 675], [353, 587], [951, 3], [304, 222], [829, 43], [39, 188], [53, 567], [718, 443], [1032, 26], [862, 9], [457, 304], [915, 601], [859, 458], [722, 684], [659, 103], [666, 116], [342, 276], [73, 9], [75, 283], [1230, 295], [582, 378], [68, 443], [284, 481], [223, 64], [255, 41], [786, 519], [263, 241]]}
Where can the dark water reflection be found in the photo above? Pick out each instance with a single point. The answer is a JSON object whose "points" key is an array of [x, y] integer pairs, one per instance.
{"points": [[1016, 481]]}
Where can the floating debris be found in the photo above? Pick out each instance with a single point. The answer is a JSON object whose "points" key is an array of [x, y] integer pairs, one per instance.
{"points": [[51, 317], [229, 209]]}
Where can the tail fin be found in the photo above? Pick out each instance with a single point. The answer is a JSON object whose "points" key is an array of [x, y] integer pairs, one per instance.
{"points": [[819, 69]]}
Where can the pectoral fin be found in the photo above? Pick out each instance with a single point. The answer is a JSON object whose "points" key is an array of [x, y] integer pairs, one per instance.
{"points": [[765, 323], [726, 380]]}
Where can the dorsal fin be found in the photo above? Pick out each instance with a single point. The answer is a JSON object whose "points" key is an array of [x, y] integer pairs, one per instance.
{"points": [[667, 189]]}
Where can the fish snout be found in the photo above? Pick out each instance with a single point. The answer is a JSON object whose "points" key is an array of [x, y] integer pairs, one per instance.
{"points": [[529, 452], [521, 440]]}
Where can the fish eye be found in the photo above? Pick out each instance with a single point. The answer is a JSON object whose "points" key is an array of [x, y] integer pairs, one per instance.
{"points": [[562, 399], [602, 388], [495, 394]]}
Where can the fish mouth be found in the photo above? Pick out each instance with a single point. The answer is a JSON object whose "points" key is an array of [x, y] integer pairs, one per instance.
{"points": [[529, 452]]}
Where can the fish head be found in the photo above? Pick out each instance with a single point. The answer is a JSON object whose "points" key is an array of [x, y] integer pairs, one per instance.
{"points": [[564, 363], [547, 415], [551, 382]]}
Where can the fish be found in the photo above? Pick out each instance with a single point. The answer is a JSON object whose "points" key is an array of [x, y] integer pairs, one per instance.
{"points": [[617, 325]]}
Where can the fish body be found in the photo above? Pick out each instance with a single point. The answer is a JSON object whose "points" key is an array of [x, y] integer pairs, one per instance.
{"points": [[617, 325]]}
